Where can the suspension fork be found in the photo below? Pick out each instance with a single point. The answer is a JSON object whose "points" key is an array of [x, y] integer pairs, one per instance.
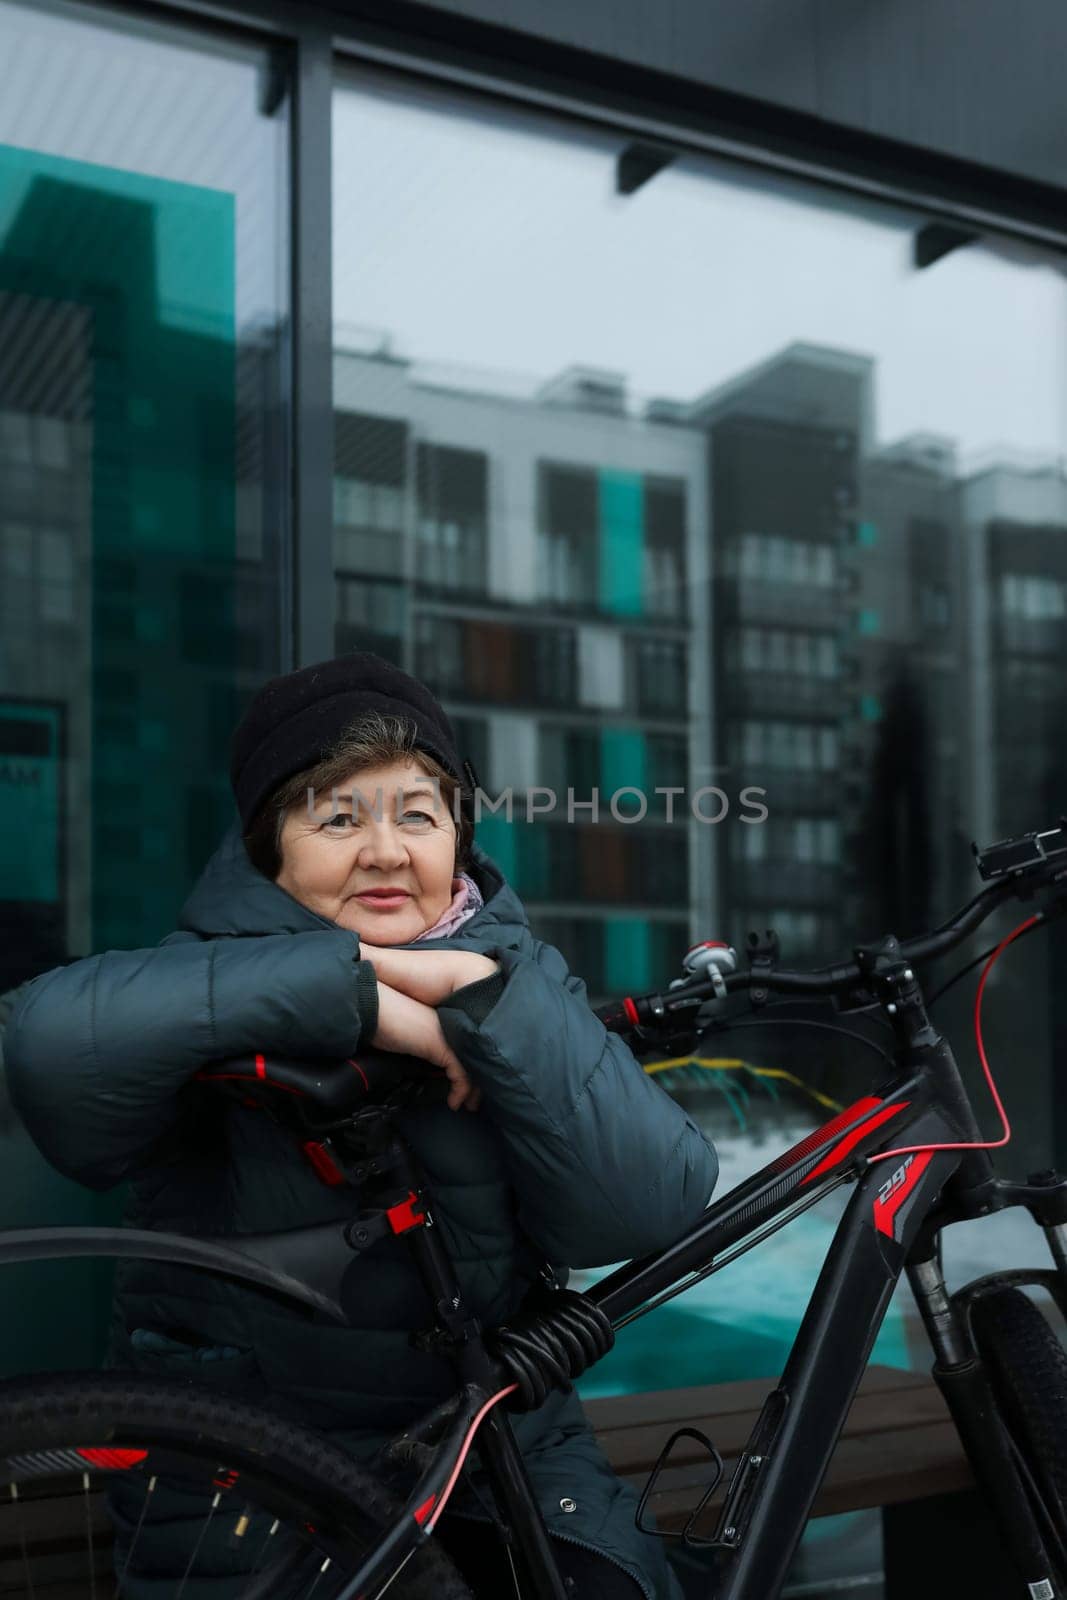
{"points": [[958, 1370], [962, 1378], [1047, 1203]]}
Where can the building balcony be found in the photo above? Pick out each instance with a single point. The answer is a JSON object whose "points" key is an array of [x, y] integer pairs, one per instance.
{"points": [[754, 600], [778, 882], [789, 791], [1031, 636], [779, 694]]}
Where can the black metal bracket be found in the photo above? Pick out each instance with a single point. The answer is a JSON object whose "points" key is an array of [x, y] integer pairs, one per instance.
{"points": [[686, 1536], [1044, 1195], [388, 1221], [763, 951], [878, 960], [1027, 852]]}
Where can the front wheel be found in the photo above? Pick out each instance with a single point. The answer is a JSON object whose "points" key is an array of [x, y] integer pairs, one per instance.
{"points": [[114, 1484], [1027, 1365]]}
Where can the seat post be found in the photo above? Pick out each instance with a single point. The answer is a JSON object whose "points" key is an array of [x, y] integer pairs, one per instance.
{"points": [[391, 1174]]}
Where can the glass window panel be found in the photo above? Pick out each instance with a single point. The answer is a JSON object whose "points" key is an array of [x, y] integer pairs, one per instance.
{"points": [[18, 550], [143, 308], [53, 443], [823, 565], [751, 560], [16, 437], [872, 514], [829, 829], [778, 651]]}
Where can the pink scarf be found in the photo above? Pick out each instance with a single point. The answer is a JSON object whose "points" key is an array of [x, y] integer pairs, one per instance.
{"points": [[466, 900]]}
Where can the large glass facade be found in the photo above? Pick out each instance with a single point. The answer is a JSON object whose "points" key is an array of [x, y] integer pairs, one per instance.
{"points": [[732, 539], [706, 486], [143, 305]]}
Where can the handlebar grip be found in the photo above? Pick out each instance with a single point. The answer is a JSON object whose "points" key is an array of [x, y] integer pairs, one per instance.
{"points": [[618, 1016]]}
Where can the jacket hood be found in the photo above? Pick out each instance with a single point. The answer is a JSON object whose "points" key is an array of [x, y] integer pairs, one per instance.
{"points": [[232, 897]]}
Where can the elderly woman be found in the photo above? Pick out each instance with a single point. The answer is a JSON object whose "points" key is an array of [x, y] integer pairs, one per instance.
{"points": [[364, 915]]}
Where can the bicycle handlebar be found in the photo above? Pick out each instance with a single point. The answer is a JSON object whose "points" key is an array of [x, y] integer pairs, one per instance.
{"points": [[1016, 868]]}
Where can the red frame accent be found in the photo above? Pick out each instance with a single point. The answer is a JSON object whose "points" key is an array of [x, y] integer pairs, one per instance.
{"points": [[843, 1147], [818, 1136], [631, 1011], [242, 1077], [424, 1510], [885, 1211]]}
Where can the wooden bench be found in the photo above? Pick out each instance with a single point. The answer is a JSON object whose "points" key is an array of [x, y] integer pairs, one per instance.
{"points": [[899, 1451]]}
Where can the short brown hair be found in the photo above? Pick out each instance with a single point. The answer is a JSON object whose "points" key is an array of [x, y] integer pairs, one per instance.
{"points": [[375, 740]]}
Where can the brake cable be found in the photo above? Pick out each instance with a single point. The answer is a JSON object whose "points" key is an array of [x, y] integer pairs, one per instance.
{"points": [[962, 973], [976, 1144]]}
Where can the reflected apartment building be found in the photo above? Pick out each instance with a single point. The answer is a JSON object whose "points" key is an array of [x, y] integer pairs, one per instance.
{"points": [[1015, 540], [1014, 522], [606, 595], [124, 573], [539, 562], [784, 447], [744, 590], [905, 741], [741, 590], [45, 633]]}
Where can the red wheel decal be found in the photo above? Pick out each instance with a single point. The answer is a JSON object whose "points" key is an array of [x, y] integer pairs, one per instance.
{"points": [[113, 1460]]}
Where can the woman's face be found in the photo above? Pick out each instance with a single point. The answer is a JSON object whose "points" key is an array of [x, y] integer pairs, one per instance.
{"points": [[385, 829]]}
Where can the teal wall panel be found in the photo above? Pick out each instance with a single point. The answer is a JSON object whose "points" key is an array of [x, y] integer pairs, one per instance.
{"points": [[627, 955], [621, 565], [623, 764]]}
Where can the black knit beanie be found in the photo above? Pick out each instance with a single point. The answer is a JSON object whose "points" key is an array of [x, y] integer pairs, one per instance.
{"points": [[295, 719]]}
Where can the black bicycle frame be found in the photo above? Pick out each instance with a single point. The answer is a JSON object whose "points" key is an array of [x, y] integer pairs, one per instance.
{"points": [[885, 1227]]}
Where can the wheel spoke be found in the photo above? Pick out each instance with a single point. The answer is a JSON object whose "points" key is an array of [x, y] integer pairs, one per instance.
{"points": [[86, 1488], [20, 1525], [196, 1547], [318, 1578], [263, 1581], [146, 1502]]}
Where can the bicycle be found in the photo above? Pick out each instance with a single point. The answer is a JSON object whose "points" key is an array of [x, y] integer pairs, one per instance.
{"points": [[911, 1148]]}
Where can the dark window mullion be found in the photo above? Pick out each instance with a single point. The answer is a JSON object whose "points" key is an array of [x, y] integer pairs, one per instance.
{"points": [[310, 606]]}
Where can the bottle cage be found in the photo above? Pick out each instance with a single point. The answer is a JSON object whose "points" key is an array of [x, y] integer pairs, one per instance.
{"points": [[687, 1536]]}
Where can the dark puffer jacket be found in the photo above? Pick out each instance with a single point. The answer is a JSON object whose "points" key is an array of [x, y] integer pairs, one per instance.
{"points": [[575, 1156]]}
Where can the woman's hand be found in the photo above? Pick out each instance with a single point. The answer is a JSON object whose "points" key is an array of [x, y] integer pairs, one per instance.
{"points": [[429, 976], [413, 1028]]}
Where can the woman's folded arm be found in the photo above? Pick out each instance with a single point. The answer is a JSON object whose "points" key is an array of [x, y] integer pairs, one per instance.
{"points": [[97, 1052], [606, 1166]]}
